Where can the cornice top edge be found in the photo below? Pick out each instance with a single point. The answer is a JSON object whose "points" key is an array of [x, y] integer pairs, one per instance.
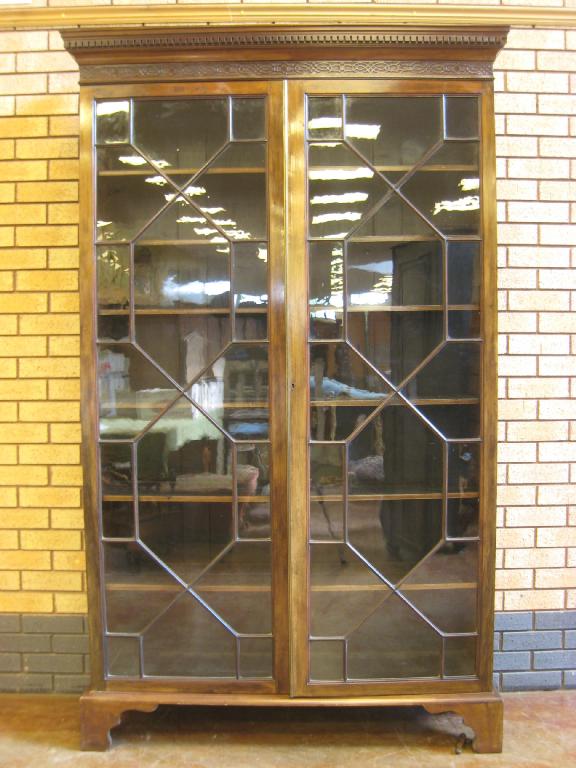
{"points": [[289, 14]]}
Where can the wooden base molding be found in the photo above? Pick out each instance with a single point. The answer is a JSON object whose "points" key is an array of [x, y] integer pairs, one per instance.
{"points": [[100, 711]]}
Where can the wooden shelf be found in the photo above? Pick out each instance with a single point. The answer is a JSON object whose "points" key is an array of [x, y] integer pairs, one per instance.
{"points": [[185, 311], [395, 308], [460, 167], [155, 498], [393, 496], [414, 400], [180, 171], [158, 406], [138, 587]]}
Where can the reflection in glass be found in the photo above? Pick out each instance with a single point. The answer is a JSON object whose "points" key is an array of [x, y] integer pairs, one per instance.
{"points": [[378, 127], [184, 453], [327, 660], [137, 588], [113, 327], [337, 372], [461, 117], [333, 422], [462, 518], [253, 481], [246, 601], [116, 468], [113, 276], [235, 191], [182, 221], [324, 117], [117, 519], [464, 272], [256, 656], [459, 656], [183, 133], [248, 118], [131, 391], [326, 519], [463, 467], [341, 190], [396, 342], [326, 289], [123, 656], [395, 453], [394, 535], [183, 345], [449, 196], [463, 325], [181, 276], [394, 643], [393, 274], [250, 285], [344, 590], [188, 641], [453, 372], [394, 219], [235, 392], [186, 536], [455, 422], [112, 122], [326, 470]]}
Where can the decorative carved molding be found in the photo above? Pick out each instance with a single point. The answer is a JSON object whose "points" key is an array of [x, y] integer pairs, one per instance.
{"points": [[80, 41], [230, 70]]}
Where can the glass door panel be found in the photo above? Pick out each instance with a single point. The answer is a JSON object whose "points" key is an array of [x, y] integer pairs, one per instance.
{"points": [[394, 429], [182, 248]]}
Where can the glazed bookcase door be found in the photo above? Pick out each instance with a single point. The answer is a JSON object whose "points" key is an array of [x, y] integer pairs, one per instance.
{"points": [[389, 417], [188, 336]]}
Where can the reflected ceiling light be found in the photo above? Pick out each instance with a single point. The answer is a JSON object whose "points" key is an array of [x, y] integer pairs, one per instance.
{"points": [[132, 160], [205, 230], [191, 220], [212, 210], [345, 197], [262, 254], [322, 123], [238, 234], [337, 236], [384, 267], [323, 218], [173, 290], [158, 180], [106, 108], [245, 298], [370, 298], [219, 239], [191, 191], [225, 222], [222, 250], [328, 144], [340, 174], [362, 131], [469, 185], [470, 203], [103, 223]]}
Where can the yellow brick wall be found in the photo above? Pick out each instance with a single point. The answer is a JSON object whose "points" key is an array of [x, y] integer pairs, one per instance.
{"points": [[41, 524]]}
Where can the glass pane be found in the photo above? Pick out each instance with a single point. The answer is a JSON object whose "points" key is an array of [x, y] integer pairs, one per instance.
{"points": [[181, 276], [250, 285], [451, 575], [455, 422], [395, 453], [253, 469], [248, 118], [238, 587], [117, 519], [180, 134], [327, 660], [341, 190], [462, 518], [394, 535], [185, 223], [337, 373], [183, 453], [326, 470], [256, 656], [459, 656], [453, 372], [235, 392], [326, 518], [395, 219], [393, 131], [234, 191], [183, 345], [114, 327], [186, 536], [188, 641], [464, 325], [461, 117], [137, 588], [394, 642], [446, 189], [326, 278], [324, 117], [116, 468], [396, 342], [394, 274], [131, 390], [113, 275], [463, 467], [112, 122], [331, 422], [344, 590], [123, 656], [126, 199], [464, 272]]}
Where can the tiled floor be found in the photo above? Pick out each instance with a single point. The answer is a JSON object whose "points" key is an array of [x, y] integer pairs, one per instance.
{"points": [[42, 731]]}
